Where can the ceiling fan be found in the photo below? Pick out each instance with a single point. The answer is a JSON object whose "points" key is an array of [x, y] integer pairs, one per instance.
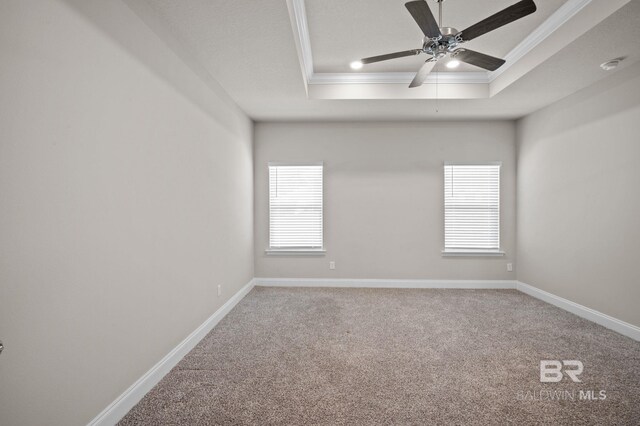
{"points": [[442, 41]]}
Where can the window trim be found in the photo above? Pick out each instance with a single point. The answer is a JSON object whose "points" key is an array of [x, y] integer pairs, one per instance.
{"points": [[293, 251], [466, 252], [472, 253]]}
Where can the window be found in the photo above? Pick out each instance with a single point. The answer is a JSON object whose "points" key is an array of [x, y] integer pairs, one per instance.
{"points": [[472, 209], [295, 207]]}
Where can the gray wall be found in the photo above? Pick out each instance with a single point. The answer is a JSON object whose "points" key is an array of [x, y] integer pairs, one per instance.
{"points": [[579, 197], [384, 196], [126, 188]]}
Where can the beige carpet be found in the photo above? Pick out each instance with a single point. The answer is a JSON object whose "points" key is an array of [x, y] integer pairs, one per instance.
{"points": [[382, 356]]}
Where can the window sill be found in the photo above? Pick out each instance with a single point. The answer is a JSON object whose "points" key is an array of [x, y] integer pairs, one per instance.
{"points": [[295, 252], [472, 253]]}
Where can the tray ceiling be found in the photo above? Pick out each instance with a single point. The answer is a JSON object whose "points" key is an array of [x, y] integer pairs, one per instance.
{"points": [[253, 50]]}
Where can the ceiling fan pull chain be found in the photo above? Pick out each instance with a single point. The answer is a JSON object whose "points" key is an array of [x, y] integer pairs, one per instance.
{"points": [[437, 85]]}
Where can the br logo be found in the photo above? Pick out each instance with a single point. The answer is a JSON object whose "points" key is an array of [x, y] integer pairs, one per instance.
{"points": [[552, 370]]}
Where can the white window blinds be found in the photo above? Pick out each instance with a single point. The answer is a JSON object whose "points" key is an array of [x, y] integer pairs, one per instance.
{"points": [[295, 206], [472, 207]]}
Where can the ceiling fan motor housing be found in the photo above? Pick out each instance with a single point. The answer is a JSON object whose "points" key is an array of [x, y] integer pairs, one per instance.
{"points": [[440, 46]]}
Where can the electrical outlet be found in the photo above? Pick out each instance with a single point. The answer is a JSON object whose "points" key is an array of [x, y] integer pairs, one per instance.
{"points": [[332, 265], [219, 290], [509, 267]]}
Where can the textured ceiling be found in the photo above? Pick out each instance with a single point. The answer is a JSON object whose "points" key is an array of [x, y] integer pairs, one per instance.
{"points": [[248, 47], [343, 31]]}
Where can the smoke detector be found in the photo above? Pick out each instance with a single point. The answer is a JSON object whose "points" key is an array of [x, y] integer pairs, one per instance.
{"points": [[612, 64]]}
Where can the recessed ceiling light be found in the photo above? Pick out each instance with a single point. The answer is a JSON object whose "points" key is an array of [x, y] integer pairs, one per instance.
{"points": [[612, 64], [356, 65], [453, 64]]}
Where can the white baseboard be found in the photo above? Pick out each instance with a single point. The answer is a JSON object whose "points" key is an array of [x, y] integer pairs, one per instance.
{"points": [[374, 283], [612, 323], [125, 402]]}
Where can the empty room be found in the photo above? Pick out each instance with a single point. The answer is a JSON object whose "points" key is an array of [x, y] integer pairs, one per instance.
{"points": [[319, 212]]}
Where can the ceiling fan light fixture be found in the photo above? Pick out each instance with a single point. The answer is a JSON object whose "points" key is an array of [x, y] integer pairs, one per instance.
{"points": [[454, 63], [356, 65]]}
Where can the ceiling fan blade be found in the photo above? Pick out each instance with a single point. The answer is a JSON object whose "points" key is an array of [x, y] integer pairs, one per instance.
{"points": [[478, 59], [504, 17], [423, 72], [391, 56], [420, 11]]}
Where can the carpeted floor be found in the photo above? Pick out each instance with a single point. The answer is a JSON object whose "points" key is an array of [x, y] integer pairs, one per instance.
{"points": [[390, 356]]}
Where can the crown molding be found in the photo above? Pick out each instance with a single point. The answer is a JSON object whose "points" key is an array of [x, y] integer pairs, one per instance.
{"points": [[554, 22], [398, 77], [299, 15]]}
